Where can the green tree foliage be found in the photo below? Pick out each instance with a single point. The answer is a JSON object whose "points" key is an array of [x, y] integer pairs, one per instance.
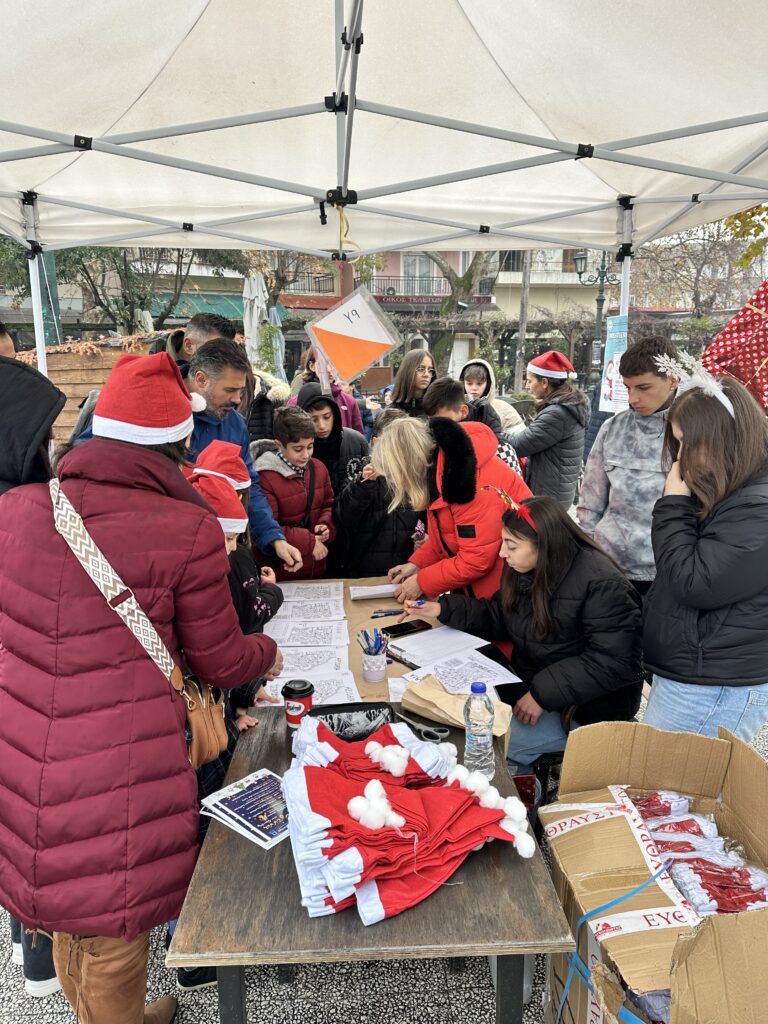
{"points": [[752, 226]]}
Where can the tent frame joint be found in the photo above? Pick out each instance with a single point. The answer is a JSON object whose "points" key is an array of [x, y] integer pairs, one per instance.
{"points": [[323, 214], [625, 202], [584, 150], [624, 252], [29, 198], [340, 197], [186, 226], [485, 229], [84, 142], [35, 249], [337, 105], [338, 257]]}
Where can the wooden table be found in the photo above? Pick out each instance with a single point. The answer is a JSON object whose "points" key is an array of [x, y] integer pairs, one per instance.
{"points": [[507, 907]]}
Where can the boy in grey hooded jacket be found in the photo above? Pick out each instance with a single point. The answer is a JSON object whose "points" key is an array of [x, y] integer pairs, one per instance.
{"points": [[623, 478]]}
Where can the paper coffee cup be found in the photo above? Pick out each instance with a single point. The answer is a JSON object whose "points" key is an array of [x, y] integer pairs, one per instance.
{"points": [[297, 694]]}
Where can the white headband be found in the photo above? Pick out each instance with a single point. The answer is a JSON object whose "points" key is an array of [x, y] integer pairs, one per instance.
{"points": [[691, 374]]}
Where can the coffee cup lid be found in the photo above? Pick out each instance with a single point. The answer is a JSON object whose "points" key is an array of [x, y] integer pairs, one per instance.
{"points": [[297, 688]]}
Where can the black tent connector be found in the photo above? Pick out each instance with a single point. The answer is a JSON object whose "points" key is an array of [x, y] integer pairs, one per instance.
{"points": [[335, 105], [29, 198], [323, 214], [625, 202], [695, 197], [35, 249], [359, 43], [186, 226], [339, 256], [334, 196], [345, 39], [584, 150], [625, 251], [485, 229], [83, 142]]}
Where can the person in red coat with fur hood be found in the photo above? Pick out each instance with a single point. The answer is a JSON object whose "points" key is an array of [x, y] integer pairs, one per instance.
{"points": [[98, 801], [452, 470], [298, 489]]}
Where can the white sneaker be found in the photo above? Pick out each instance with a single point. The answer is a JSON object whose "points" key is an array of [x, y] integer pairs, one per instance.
{"points": [[17, 956], [40, 989]]}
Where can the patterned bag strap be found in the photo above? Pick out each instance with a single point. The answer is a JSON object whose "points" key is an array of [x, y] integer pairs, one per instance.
{"points": [[119, 597]]}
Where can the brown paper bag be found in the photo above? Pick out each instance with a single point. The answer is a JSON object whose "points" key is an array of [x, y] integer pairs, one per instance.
{"points": [[430, 699]]}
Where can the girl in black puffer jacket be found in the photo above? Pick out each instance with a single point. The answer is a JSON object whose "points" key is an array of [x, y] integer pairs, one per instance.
{"points": [[575, 624], [706, 630]]}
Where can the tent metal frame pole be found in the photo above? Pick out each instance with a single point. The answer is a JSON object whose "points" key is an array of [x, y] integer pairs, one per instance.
{"points": [[381, 211], [29, 213], [32, 152], [690, 130], [573, 212], [108, 240], [12, 234], [342, 55], [196, 127], [345, 49], [628, 224], [265, 243], [417, 243], [565, 243], [689, 170], [285, 211], [711, 194], [349, 120], [90, 208], [210, 169]]}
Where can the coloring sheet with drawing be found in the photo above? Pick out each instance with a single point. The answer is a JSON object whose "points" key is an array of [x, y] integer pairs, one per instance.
{"points": [[300, 662], [458, 672], [323, 610], [293, 591], [286, 633], [338, 689]]}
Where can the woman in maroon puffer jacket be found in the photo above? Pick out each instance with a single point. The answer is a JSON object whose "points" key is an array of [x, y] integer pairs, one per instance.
{"points": [[98, 802]]}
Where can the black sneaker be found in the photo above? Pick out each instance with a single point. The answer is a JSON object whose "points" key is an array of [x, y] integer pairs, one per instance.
{"points": [[190, 979]]}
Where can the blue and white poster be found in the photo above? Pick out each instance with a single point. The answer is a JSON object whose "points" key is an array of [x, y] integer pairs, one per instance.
{"points": [[613, 394]]}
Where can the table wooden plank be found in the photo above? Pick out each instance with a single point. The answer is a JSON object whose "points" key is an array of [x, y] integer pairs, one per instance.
{"points": [[243, 904]]}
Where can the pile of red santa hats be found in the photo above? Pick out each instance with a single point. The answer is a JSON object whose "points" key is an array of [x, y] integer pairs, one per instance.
{"points": [[383, 822]]}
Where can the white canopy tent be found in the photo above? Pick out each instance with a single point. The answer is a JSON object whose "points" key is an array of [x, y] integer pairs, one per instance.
{"points": [[477, 124]]}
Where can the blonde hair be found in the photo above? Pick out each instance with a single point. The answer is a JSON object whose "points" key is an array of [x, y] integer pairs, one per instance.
{"points": [[402, 455]]}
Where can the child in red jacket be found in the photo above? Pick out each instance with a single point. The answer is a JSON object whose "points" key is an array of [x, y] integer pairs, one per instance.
{"points": [[298, 489]]}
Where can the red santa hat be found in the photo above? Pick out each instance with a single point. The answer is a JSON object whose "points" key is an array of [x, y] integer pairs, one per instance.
{"points": [[145, 401], [223, 459], [552, 364], [224, 501]]}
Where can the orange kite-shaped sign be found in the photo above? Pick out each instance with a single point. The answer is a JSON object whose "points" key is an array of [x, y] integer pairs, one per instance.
{"points": [[353, 335], [740, 350]]}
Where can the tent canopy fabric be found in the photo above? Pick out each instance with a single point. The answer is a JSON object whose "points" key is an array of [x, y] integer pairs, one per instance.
{"points": [[474, 124]]}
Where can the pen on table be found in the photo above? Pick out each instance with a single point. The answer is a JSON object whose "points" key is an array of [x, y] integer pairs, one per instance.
{"points": [[380, 613]]}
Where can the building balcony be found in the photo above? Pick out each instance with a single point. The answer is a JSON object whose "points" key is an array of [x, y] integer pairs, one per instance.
{"points": [[551, 276], [312, 284], [427, 291]]}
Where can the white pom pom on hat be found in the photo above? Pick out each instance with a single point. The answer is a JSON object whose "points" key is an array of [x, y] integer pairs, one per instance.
{"points": [[198, 403]]}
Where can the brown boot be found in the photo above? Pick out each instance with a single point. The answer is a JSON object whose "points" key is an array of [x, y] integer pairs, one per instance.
{"points": [[162, 1011]]}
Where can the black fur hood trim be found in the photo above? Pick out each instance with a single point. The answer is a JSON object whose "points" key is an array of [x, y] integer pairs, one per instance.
{"points": [[459, 461]]}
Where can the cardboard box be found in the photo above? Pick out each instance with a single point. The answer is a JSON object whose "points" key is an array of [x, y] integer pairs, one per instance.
{"points": [[716, 968]]}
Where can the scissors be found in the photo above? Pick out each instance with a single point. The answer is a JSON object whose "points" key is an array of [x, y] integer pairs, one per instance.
{"points": [[429, 733]]}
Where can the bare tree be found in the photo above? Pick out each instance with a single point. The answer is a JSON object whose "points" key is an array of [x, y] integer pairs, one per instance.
{"points": [[463, 288]]}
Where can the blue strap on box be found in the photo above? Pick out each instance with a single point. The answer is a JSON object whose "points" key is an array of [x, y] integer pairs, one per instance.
{"points": [[577, 965]]}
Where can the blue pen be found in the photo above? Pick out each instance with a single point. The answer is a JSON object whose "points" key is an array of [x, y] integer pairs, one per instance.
{"points": [[368, 640], [421, 603]]}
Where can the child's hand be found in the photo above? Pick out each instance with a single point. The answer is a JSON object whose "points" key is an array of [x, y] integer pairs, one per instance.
{"points": [[675, 483], [418, 540], [409, 590], [267, 575], [245, 721], [265, 697], [369, 473], [373, 404], [322, 533], [319, 551], [527, 711]]}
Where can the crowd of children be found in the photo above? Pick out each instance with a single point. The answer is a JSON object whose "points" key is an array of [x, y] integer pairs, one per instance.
{"points": [[464, 507]]}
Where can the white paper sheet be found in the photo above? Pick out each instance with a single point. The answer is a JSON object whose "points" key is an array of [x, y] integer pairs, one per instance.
{"points": [[338, 689], [374, 593], [307, 634], [433, 645], [301, 662], [458, 672], [397, 687], [307, 611], [309, 591]]}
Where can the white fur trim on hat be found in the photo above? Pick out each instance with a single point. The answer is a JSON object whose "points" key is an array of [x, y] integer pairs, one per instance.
{"points": [[198, 402], [119, 430], [233, 525], [239, 485], [541, 372]]}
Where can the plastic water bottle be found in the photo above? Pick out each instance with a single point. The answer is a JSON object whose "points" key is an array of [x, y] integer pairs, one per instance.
{"points": [[478, 723]]}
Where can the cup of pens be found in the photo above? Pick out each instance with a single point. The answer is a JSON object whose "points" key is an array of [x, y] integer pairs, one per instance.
{"points": [[374, 647]]}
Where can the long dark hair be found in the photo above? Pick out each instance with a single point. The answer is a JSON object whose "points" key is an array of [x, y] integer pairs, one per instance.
{"points": [[176, 451], [404, 391], [720, 452], [557, 538]]}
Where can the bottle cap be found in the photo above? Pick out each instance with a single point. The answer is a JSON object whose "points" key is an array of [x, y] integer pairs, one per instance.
{"points": [[478, 687]]}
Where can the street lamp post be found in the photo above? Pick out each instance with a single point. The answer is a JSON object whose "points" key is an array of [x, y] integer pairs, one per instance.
{"points": [[600, 277]]}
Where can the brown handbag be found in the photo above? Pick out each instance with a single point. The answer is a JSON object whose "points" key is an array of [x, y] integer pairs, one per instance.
{"points": [[204, 704]]}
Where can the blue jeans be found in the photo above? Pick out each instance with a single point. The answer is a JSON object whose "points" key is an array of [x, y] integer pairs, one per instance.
{"points": [[528, 742], [687, 707]]}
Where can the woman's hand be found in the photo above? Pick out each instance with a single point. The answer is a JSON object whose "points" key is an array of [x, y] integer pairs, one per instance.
{"points": [[369, 473], [267, 574], [424, 609], [527, 710], [398, 573], [675, 483], [319, 551], [409, 589], [276, 668], [265, 697], [322, 532]]}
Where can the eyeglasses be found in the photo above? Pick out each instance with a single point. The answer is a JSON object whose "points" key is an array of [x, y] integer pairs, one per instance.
{"points": [[427, 369]]}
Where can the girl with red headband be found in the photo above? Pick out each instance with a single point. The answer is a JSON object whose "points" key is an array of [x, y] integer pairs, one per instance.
{"points": [[575, 625]]}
